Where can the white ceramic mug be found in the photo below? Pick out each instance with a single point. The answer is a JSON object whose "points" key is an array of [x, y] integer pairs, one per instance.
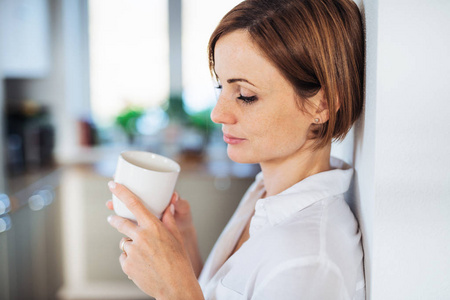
{"points": [[149, 176]]}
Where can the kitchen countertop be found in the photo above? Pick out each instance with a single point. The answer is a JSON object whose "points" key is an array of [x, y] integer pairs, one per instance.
{"points": [[39, 183]]}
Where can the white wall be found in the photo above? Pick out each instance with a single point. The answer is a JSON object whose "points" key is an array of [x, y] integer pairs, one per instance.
{"points": [[402, 146]]}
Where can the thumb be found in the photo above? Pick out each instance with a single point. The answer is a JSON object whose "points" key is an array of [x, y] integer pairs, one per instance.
{"points": [[169, 221]]}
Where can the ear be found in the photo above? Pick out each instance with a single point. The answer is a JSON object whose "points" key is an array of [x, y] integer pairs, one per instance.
{"points": [[322, 112]]}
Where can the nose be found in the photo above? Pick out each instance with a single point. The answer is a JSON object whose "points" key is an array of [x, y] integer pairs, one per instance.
{"points": [[222, 113]]}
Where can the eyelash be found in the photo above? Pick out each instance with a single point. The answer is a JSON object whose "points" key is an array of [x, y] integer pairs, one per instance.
{"points": [[246, 100]]}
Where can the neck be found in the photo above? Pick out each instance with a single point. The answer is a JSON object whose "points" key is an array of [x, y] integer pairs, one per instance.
{"points": [[282, 174]]}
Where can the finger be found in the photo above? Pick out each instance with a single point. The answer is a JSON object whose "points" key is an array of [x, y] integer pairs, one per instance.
{"points": [[110, 205], [174, 198], [125, 265], [132, 202], [122, 259], [124, 226], [170, 223], [124, 244], [182, 207]]}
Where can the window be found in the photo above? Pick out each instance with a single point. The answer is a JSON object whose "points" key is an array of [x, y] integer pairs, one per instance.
{"points": [[129, 55], [200, 18]]}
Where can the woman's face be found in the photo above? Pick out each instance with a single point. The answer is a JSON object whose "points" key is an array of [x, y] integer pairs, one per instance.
{"points": [[257, 107]]}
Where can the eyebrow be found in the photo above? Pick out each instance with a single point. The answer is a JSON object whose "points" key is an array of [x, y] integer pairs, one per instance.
{"points": [[239, 80]]}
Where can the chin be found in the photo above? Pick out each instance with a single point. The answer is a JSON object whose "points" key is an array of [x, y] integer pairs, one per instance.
{"points": [[241, 156]]}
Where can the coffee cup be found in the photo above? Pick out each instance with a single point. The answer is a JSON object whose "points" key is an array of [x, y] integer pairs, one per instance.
{"points": [[149, 176]]}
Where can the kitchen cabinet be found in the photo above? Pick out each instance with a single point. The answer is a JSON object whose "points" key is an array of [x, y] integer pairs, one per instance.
{"points": [[4, 277], [25, 38], [34, 238], [5, 225], [30, 251]]}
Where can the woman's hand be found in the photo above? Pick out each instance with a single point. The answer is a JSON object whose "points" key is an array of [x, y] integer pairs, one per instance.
{"points": [[183, 216], [155, 257], [183, 219]]}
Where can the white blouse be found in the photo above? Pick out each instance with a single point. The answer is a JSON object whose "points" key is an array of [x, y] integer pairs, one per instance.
{"points": [[304, 244]]}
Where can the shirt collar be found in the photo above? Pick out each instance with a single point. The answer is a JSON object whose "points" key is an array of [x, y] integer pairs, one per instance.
{"points": [[277, 208]]}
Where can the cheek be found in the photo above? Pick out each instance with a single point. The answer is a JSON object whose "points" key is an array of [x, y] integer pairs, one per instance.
{"points": [[285, 131]]}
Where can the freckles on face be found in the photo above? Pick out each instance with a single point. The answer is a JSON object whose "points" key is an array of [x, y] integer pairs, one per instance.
{"points": [[283, 129], [272, 126]]}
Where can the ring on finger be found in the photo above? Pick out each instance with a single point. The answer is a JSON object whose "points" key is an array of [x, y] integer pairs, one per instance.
{"points": [[122, 244]]}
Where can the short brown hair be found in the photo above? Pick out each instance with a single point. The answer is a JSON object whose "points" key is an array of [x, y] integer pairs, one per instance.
{"points": [[316, 44]]}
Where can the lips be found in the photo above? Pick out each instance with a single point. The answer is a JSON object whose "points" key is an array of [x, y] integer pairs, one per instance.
{"points": [[229, 139]]}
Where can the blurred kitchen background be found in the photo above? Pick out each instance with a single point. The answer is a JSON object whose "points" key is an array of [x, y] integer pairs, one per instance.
{"points": [[81, 81]]}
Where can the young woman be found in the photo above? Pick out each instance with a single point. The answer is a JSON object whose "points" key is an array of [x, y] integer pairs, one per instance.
{"points": [[291, 79]]}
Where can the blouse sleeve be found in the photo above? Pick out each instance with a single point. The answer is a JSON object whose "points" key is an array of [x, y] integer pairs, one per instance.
{"points": [[299, 280]]}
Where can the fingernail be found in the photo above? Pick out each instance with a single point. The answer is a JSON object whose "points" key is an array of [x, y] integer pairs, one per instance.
{"points": [[177, 197], [172, 209], [109, 219], [112, 185]]}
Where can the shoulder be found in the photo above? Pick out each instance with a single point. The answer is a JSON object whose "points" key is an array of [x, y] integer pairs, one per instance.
{"points": [[323, 234], [307, 231], [308, 253], [318, 246]]}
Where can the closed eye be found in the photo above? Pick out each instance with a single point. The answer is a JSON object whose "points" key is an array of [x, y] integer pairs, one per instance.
{"points": [[245, 99], [248, 100]]}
